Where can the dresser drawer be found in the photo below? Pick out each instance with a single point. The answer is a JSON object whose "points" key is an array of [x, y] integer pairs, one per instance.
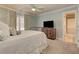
{"points": [[50, 32]]}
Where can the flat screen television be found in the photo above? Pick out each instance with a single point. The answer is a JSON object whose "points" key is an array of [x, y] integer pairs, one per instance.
{"points": [[48, 24]]}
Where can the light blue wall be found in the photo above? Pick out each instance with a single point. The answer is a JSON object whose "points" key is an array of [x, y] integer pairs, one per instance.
{"points": [[57, 17], [30, 21], [33, 21], [4, 15]]}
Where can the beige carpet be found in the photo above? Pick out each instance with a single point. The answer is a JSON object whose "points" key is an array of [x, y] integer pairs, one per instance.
{"points": [[59, 47]]}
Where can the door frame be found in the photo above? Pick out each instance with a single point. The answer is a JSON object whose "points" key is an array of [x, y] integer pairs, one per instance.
{"points": [[64, 18]]}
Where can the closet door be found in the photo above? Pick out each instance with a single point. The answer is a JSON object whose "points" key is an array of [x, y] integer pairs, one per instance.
{"points": [[70, 26]]}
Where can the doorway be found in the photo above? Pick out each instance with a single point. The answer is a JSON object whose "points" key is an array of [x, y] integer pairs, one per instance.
{"points": [[69, 27]]}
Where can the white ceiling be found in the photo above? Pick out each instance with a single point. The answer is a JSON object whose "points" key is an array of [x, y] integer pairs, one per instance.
{"points": [[42, 7]]}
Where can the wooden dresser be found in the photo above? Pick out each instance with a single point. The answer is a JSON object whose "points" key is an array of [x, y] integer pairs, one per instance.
{"points": [[50, 32]]}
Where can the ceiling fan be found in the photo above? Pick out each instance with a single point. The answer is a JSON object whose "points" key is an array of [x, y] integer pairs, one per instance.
{"points": [[36, 8]]}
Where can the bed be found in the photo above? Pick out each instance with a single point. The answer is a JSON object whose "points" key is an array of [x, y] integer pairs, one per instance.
{"points": [[29, 42]]}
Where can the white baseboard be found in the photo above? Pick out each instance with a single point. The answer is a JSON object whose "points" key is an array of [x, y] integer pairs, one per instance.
{"points": [[60, 39]]}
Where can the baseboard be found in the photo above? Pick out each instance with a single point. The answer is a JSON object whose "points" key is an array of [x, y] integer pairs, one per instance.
{"points": [[59, 39]]}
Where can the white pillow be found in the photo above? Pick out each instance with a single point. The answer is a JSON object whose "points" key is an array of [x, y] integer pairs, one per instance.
{"points": [[3, 36]]}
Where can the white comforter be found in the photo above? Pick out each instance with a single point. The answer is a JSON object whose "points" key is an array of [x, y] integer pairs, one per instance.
{"points": [[28, 42]]}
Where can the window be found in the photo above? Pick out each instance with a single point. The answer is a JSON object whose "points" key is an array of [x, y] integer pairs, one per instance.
{"points": [[20, 22]]}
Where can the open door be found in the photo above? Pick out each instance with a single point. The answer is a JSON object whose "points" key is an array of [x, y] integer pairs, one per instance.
{"points": [[69, 27]]}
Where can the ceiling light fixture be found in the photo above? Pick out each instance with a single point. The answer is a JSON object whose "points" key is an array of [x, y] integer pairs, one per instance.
{"points": [[33, 9]]}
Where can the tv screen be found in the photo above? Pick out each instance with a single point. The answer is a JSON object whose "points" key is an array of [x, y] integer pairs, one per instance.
{"points": [[48, 24]]}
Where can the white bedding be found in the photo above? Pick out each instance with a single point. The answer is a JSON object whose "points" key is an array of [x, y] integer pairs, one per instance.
{"points": [[28, 42]]}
